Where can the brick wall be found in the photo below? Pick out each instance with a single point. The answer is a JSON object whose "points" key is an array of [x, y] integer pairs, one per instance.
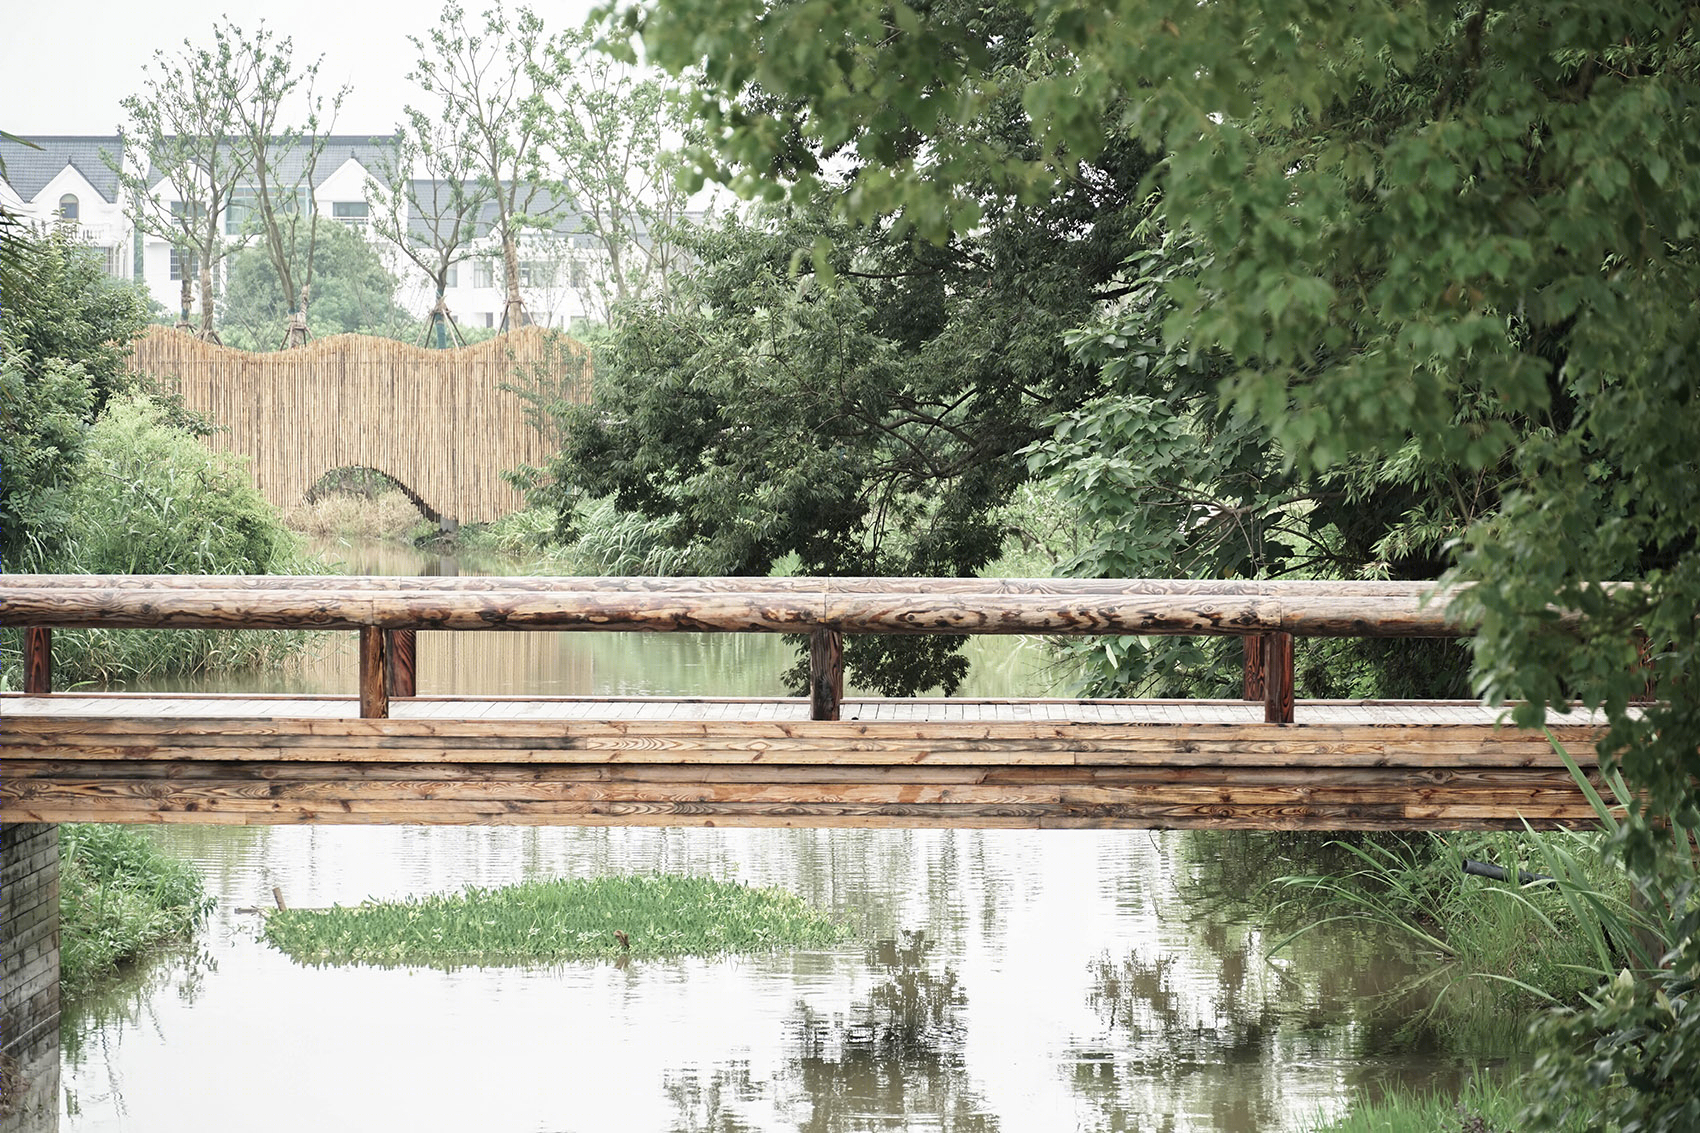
{"points": [[29, 976]]}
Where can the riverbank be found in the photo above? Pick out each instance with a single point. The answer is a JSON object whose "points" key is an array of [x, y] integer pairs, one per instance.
{"points": [[120, 898]]}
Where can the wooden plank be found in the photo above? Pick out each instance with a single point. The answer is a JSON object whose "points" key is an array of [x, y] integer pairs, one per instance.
{"points": [[826, 674], [38, 661], [400, 649], [1277, 678], [1253, 646], [374, 673], [1159, 815]]}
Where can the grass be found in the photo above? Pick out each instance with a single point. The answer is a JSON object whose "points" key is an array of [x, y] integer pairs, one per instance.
{"points": [[120, 897], [660, 916], [1487, 1103], [385, 515], [1498, 950]]}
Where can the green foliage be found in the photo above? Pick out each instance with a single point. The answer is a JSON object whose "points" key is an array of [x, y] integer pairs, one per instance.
{"points": [[63, 345], [1454, 246], [869, 427], [661, 916], [353, 292], [119, 897]]}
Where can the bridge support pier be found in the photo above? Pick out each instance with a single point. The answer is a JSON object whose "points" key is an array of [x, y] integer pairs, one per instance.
{"points": [[29, 977]]}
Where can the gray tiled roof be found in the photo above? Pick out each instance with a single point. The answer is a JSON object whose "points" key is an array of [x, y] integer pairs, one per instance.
{"points": [[432, 195], [29, 170], [289, 166]]}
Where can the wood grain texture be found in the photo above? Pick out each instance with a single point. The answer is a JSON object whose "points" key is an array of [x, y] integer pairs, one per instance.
{"points": [[401, 647], [374, 674], [1277, 678], [38, 661], [1253, 647], [826, 674], [897, 609], [995, 773]]}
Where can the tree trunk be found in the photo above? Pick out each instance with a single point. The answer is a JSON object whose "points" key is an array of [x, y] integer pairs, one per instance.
{"points": [[185, 298], [513, 314], [297, 334], [207, 333]]}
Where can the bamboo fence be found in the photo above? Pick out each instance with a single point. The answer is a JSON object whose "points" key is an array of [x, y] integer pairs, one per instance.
{"points": [[438, 421]]}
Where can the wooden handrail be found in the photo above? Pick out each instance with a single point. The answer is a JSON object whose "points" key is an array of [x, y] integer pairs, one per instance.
{"points": [[388, 610], [734, 605]]}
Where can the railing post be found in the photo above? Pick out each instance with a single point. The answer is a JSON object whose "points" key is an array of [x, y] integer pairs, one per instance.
{"points": [[826, 674], [1253, 643], [374, 686], [1277, 678], [38, 661], [399, 647]]}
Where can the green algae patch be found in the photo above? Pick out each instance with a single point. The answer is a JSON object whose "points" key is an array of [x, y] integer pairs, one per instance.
{"points": [[647, 917]]}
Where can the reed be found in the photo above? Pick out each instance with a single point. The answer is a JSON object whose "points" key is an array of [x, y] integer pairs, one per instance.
{"points": [[440, 421], [120, 897], [646, 917], [1487, 1102]]}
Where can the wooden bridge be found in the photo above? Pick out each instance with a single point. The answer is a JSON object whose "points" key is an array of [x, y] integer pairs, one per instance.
{"points": [[438, 422], [394, 754]]}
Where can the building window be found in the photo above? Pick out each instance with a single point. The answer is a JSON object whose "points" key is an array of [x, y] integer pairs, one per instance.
{"points": [[536, 273], [68, 207], [236, 214], [350, 212], [181, 259], [489, 319], [483, 274], [452, 279], [115, 256]]}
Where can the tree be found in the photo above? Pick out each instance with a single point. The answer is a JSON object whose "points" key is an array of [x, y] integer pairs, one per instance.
{"points": [[869, 427], [356, 292], [182, 131], [486, 78], [608, 146], [428, 201], [282, 158], [1460, 237], [64, 345]]}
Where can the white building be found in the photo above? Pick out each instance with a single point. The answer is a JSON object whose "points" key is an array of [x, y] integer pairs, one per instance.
{"points": [[68, 180]]}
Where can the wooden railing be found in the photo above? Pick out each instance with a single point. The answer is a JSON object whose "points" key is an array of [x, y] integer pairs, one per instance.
{"points": [[388, 611]]}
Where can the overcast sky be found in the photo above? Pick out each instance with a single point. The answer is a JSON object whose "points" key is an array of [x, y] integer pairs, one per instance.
{"points": [[64, 67]]}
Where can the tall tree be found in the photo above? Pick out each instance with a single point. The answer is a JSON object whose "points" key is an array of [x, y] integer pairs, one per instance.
{"points": [[283, 156], [429, 202], [487, 78], [610, 148], [182, 130], [1459, 235]]}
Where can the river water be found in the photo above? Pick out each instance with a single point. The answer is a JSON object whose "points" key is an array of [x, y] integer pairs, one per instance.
{"points": [[996, 980]]}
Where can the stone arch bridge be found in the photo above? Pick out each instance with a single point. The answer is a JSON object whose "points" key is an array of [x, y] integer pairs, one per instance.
{"points": [[438, 422]]}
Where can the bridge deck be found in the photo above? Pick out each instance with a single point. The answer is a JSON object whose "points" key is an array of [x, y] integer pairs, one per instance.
{"points": [[763, 762]]}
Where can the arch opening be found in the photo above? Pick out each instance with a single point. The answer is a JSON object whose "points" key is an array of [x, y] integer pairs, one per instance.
{"points": [[368, 482]]}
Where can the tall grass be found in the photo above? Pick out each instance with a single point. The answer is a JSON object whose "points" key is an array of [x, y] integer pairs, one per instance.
{"points": [[120, 896], [1497, 950], [1488, 1102], [643, 916]]}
